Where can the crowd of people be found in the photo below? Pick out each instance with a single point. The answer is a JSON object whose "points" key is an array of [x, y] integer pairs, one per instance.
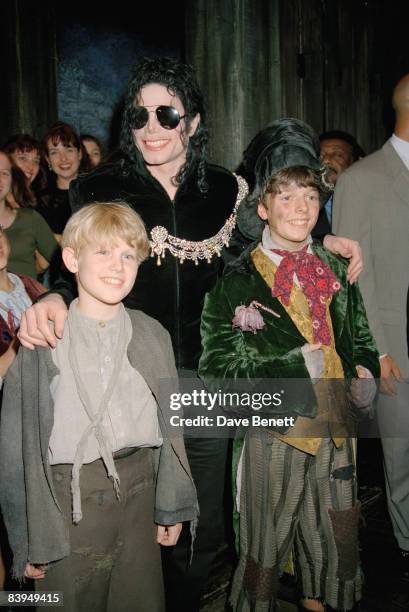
{"points": [[36, 208], [236, 287]]}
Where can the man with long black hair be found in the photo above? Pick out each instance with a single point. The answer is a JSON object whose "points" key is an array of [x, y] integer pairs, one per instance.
{"points": [[184, 201], [163, 174]]}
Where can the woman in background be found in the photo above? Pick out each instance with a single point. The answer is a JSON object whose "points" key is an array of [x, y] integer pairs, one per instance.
{"points": [[25, 228], [66, 157], [94, 149], [26, 153]]}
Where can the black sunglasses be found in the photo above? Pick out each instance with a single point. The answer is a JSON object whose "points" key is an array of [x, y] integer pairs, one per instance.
{"points": [[168, 117]]}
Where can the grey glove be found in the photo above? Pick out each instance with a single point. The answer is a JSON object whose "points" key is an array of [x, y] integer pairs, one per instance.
{"points": [[363, 390]]}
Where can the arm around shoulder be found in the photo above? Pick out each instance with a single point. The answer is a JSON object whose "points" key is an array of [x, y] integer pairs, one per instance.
{"points": [[35, 329]]}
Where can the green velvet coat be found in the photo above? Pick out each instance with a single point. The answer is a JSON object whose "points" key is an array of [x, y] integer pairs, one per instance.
{"points": [[275, 351]]}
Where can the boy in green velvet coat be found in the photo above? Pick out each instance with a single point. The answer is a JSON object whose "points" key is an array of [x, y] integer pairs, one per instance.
{"points": [[286, 310]]}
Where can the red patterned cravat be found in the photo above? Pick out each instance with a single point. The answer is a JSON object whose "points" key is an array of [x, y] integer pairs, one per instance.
{"points": [[317, 281]]}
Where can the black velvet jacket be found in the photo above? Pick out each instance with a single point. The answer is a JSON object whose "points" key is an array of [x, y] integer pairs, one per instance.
{"points": [[173, 293]]}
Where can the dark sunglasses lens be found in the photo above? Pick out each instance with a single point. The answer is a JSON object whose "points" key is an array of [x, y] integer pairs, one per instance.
{"points": [[140, 117], [168, 117]]}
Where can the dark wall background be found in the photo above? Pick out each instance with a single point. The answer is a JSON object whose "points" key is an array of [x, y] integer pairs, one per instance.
{"points": [[342, 59], [28, 101], [96, 50], [332, 63], [71, 61]]}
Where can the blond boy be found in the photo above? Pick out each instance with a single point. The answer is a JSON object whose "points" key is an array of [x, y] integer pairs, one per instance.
{"points": [[91, 484]]}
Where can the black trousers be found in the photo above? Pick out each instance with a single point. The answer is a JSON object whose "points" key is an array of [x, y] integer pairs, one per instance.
{"points": [[184, 582]]}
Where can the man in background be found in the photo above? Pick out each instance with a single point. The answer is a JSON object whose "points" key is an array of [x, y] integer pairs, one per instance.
{"points": [[371, 204], [339, 150]]}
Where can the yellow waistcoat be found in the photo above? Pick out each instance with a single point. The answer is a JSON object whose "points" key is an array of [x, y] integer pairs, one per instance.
{"points": [[299, 312]]}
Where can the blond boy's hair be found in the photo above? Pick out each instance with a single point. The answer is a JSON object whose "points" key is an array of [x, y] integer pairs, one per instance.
{"points": [[103, 223]]}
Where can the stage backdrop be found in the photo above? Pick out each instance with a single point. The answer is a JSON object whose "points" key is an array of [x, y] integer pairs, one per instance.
{"points": [[96, 50], [332, 63], [28, 101]]}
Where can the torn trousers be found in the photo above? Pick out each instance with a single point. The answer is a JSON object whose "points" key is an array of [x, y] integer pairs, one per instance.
{"points": [[295, 502], [115, 561]]}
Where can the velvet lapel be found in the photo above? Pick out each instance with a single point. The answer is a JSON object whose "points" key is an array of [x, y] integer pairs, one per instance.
{"points": [[398, 171], [263, 295], [338, 306]]}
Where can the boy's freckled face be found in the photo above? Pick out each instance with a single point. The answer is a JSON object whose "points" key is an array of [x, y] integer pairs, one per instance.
{"points": [[291, 215], [105, 276]]}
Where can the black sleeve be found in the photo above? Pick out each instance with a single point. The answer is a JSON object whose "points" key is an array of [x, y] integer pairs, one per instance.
{"points": [[65, 286], [76, 199], [237, 244], [322, 227]]}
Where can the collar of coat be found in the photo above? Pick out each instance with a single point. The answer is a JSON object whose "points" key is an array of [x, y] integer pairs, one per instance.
{"points": [[245, 266]]}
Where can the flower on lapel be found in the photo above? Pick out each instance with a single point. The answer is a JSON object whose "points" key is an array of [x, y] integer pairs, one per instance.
{"points": [[248, 318]]}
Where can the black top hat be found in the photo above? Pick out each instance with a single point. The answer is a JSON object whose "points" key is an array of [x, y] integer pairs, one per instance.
{"points": [[285, 143]]}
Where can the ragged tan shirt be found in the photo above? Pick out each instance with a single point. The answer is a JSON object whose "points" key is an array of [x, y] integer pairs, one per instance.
{"points": [[131, 419]]}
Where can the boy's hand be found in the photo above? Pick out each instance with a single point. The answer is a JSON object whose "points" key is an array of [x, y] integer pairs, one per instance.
{"points": [[168, 535], [346, 248], [34, 327], [35, 572]]}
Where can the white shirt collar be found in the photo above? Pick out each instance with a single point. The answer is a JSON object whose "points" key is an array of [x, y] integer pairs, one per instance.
{"points": [[402, 148], [267, 244]]}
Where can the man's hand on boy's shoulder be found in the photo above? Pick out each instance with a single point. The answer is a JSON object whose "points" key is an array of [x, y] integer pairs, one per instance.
{"points": [[350, 249], [168, 535], [35, 329]]}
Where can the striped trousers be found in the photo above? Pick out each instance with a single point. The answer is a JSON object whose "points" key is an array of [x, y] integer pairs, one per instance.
{"points": [[291, 501]]}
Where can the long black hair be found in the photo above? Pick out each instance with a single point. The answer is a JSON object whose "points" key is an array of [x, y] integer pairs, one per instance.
{"points": [[180, 80]]}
